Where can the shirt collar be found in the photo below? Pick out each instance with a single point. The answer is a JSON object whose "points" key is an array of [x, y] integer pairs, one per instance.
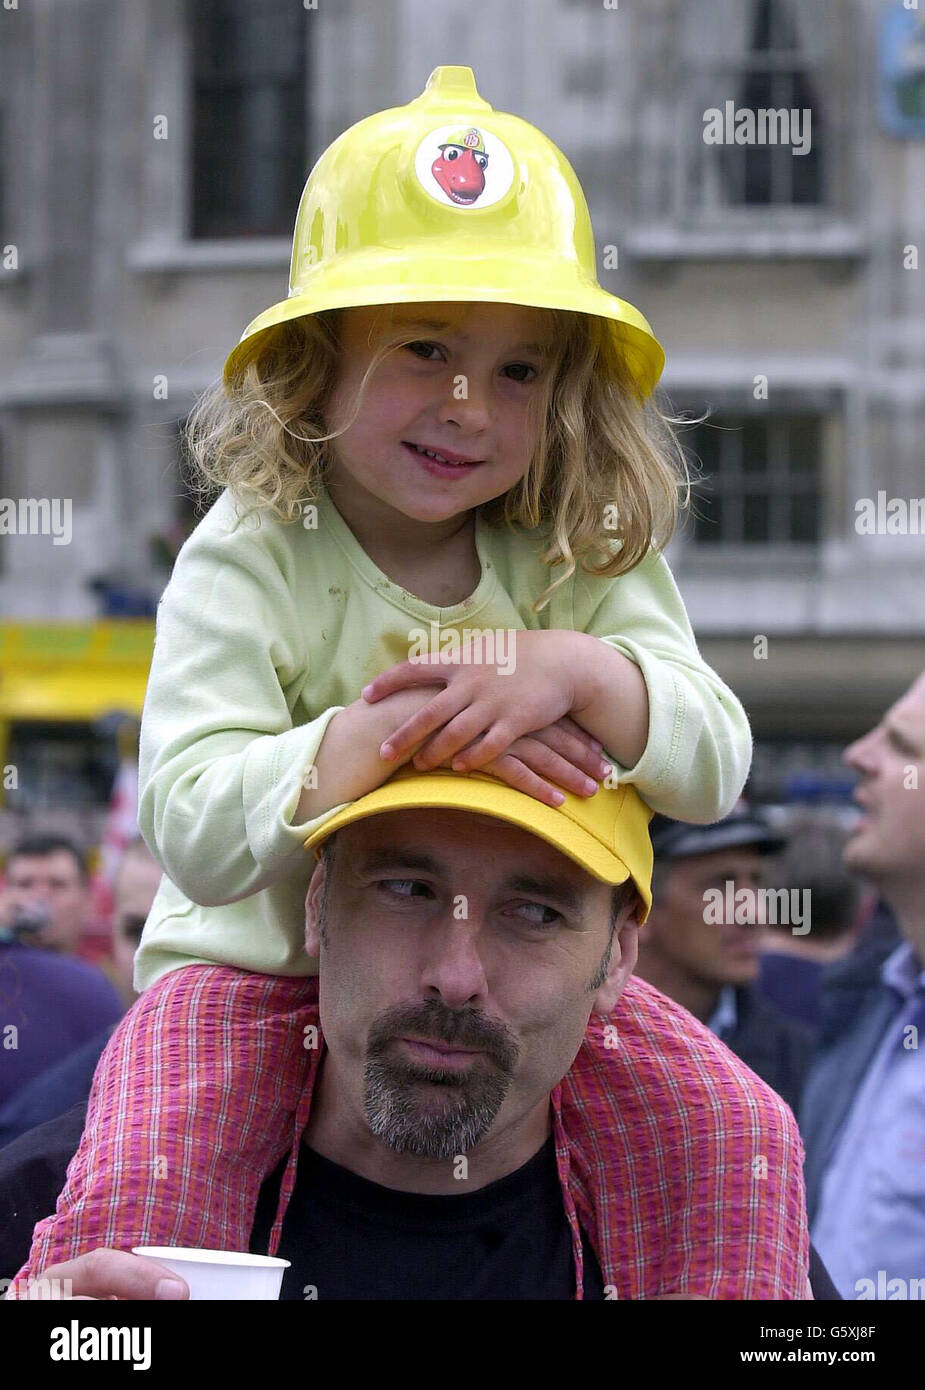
{"points": [[725, 1016], [902, 970]]}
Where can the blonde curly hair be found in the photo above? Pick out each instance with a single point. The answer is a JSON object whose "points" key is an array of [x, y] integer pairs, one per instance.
{"points": [[605, 485]]}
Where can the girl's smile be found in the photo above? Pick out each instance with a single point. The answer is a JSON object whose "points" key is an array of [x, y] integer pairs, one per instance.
{"points": [[443, 463]]}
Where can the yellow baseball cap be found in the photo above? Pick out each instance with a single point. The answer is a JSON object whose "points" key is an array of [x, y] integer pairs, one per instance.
{"points": [[607, 834]]}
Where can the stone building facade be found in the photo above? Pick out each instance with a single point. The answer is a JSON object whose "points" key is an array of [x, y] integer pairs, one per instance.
{"points": [[151, 157]]}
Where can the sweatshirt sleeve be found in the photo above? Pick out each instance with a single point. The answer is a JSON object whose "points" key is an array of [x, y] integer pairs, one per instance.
{"points": [[698, 753], [221, 766]]}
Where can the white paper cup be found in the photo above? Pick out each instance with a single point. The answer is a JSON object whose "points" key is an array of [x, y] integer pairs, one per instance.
{"points": [[224, 1274]]}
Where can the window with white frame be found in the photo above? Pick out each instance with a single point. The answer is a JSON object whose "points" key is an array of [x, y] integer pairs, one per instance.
{"points": [[757, 481], [249, 135], [766, 66]]}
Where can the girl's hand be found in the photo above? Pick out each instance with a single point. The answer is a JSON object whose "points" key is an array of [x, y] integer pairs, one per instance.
{"points": [[562, 753], [484, 707]]}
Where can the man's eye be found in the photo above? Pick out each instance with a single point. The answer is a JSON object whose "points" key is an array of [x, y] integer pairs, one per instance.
{"points": [[550, 920], [400, 885]]}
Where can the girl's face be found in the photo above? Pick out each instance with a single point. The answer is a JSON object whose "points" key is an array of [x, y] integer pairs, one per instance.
{"points": [[463, 390]]}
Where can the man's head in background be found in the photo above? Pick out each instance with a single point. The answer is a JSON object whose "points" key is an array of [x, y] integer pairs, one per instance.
{"points": [[887, 845], [48, 882], [683, 951], [462, 951], [137, 880]]}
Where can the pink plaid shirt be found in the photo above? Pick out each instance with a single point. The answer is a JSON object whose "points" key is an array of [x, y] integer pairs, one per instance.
{"points": [[684, 1169]]}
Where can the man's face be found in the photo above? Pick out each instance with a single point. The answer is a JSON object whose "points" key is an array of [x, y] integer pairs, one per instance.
{"points": [[889, 840], [54, 882], [676, 931], [456, 972]]}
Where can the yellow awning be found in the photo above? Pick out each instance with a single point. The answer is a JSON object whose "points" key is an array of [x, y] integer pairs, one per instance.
{"points": [[70, 695], [73, 671]]}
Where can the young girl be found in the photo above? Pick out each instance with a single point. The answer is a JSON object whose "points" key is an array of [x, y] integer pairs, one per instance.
{"points": [[441, 445]]}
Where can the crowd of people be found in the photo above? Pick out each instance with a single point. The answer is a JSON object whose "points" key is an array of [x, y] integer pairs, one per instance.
{"points": [[59, 1008]]}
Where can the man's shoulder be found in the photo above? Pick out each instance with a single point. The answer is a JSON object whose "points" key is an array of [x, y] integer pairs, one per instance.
{"points": [[853, 986], [692, 1156], [651, 1047]]}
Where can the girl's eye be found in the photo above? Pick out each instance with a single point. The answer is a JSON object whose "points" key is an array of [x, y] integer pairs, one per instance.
{"points": [[521, 367], [423, 350]]}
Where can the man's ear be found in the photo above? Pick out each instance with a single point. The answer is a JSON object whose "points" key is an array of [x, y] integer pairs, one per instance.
{"points": [[313, 910], [622, 958], [645, 928]]}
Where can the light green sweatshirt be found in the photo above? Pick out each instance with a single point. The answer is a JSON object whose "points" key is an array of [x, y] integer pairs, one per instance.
{"points": [[267, 629]]}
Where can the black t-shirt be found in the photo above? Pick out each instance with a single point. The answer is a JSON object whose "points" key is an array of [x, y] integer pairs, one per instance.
{"points": [[347, 1237]]}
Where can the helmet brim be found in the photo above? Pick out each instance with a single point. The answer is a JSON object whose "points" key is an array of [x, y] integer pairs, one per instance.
{"points": [[417, 279]]}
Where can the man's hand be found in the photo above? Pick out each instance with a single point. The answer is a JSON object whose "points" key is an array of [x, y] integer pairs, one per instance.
{"points": [[107, 1274]]}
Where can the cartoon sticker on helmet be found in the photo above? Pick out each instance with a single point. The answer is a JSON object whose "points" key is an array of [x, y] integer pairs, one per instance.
{"points": [[460, 166], [464, 166]]}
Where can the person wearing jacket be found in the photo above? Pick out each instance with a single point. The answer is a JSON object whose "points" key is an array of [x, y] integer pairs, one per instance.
{"points": [[863, 1112], [711, 967]]}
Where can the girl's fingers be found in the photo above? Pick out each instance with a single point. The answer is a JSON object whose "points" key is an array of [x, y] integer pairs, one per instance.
{"points": [[454, 736], [568, 725], [547, 763], [401, 677], [517, 775], [493, 743], [408, 735], [574, 750]]}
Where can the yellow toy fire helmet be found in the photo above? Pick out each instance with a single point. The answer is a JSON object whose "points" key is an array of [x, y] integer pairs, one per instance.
{"points": [[447, 199]]}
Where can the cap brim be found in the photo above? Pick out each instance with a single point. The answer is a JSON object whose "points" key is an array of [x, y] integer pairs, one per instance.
{"points": [[466, 792]]}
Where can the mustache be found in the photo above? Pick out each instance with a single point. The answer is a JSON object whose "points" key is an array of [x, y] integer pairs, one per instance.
{"points": [[462, 1027]]}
